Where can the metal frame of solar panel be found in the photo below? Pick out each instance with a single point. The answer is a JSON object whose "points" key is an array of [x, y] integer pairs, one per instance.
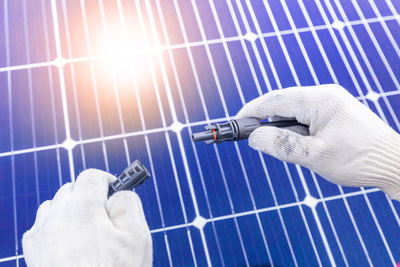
{"points": [[63, 109]]}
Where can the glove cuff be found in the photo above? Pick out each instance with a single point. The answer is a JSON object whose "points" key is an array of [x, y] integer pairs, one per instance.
{"points": [[382, 166]]}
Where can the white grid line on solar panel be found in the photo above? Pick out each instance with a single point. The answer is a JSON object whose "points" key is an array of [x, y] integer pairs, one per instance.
{"points": [[51, 83], [30, 97], [63, 89], [61, 61], [240, 214]]}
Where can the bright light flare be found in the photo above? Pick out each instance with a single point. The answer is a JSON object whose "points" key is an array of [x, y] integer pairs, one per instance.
{"points": [[123, 52], [127, 58]]}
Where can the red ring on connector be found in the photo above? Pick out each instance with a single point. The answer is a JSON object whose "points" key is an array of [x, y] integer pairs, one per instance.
{"points": [[215, 135]]}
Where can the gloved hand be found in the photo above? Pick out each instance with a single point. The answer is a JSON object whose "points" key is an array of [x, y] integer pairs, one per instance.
{"points": [[346, 143], [81, 227]]}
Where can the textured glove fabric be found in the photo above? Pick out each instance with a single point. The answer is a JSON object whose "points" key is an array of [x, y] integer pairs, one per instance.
{"points": [[81, 227], [346, 142]]}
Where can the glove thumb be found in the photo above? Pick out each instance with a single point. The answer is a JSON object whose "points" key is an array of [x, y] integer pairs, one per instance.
{"points": [[126, 211], [286, 145]]}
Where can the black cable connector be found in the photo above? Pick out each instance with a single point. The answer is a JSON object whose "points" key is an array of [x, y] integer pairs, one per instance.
{"points": [[133, 176], [237, 129]]}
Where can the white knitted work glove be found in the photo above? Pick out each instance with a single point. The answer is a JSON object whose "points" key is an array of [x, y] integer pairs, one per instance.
{"points": [[347, 143], [81, 227]]}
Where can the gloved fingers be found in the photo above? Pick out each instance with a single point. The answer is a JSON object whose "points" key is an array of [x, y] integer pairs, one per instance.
{"points": [[27, 243], [126, 211], [64, 190], [307, 104], [286, 145], [92, 185], [41, 216], [297, 129], [289, 102], [43, 211]]}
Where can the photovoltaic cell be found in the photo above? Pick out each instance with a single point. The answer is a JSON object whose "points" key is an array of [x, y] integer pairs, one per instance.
{"points": [[98, 84]]}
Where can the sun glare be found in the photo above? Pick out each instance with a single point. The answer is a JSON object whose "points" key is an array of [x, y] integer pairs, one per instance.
{"points": [[126, 57]]}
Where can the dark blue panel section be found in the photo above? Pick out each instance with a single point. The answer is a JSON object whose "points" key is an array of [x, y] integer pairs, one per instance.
{"points": [[374, 242], [299, 238], [187, 81], [208, 85], [365, 8], [13, 263], [319, 64], [209, 184], [377, 63], [346, 9], [229, 237], [312, 11], [160, 243], [5, 142], [213, 244], [278, 11], [37, 177], [7, 232], [329, 230], [279, 63], [280, 180], [298, 60], [36, 108], [345, 229], [296, 14], [383, 8], [226, 77], [387, 218], [254, 240], [280, 247], [180, 246], [263, 21], [389, 105], [251, 85]]}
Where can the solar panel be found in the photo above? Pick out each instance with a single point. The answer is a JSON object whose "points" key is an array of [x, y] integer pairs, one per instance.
{"points": [[98, 84]]}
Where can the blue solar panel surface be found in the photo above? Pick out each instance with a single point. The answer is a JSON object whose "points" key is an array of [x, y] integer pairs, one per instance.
{"points": [[67, 103]]}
